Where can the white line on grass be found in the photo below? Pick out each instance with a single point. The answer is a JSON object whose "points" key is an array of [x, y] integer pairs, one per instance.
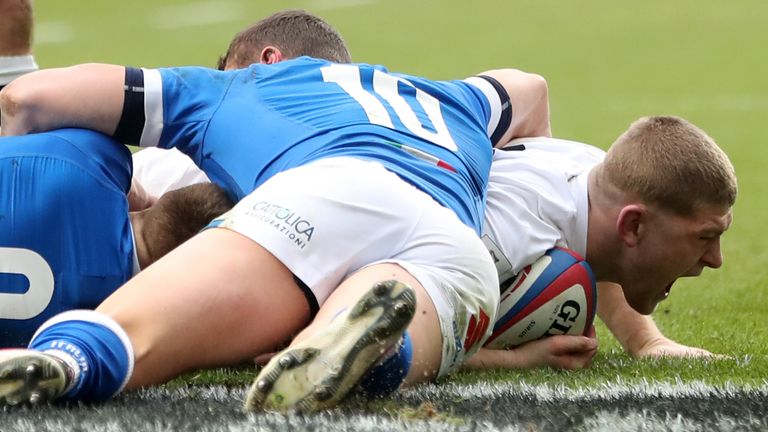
{"points": [[488, 407], [52, 32], [197, 14], [609, 390], [542, 392]]}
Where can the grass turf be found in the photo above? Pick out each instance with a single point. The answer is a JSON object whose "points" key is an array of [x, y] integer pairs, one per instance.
{"points": [[607, 63]]}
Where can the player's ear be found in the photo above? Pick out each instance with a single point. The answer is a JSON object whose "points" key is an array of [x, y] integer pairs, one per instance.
{"points": [[631, 223], [270, 55]]}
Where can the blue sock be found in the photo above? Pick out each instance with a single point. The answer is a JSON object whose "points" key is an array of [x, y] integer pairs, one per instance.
{"points": [[386, 377], [96, 344]]}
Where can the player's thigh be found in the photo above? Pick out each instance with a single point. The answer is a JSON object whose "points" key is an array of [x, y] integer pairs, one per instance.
{"points": [[217, 299]]}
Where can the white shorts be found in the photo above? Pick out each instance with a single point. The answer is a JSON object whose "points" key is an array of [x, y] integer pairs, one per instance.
{"points": [[332, 217]]}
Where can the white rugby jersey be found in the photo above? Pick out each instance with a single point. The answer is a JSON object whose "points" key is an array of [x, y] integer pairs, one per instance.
{"points": [[163, 170], [537, 199]]}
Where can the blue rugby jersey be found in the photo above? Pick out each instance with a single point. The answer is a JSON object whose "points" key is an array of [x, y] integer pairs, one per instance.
{"points": [[241, 127], [65, 236]]}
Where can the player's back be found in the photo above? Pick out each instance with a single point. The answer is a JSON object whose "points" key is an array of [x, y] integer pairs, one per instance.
{"points": [[65, 237], [273, 117], [537, 199]]}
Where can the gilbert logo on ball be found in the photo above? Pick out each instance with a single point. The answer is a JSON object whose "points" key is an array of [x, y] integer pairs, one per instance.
{"points": [[555, 295]]}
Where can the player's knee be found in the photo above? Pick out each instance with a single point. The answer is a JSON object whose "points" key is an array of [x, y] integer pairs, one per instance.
{"points": [[14, 106]]}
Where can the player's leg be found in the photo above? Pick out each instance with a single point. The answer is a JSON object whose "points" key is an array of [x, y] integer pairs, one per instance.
{"points": [[363, 319], [457, 293], [424, 327], [218, 299], [342, 348], [222, 298], [446, 266]]}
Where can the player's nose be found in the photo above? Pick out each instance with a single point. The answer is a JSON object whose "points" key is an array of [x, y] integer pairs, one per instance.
{"points": [[713, 256]]}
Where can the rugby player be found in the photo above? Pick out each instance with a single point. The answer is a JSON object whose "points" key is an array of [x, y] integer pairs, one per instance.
{"points": [[651, 210], [406, 163]]}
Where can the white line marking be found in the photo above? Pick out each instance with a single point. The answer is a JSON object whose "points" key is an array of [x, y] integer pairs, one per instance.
{"points": [[542, 392], [609, 390], [197, 14], [52, 32]]}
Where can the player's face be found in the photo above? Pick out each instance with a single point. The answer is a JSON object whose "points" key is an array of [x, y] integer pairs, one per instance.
{"points": [[673, 247]]}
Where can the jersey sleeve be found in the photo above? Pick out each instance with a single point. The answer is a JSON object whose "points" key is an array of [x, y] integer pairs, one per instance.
{"points": [[499, 108], [171, 107], [480, 100]]}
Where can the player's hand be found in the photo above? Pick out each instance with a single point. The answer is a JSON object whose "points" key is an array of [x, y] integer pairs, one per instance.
{"points": [[561, 352], [558, 352], [664, 347]]}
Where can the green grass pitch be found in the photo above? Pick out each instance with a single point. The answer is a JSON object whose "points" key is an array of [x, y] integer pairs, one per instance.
{"points": [[607, 62]]}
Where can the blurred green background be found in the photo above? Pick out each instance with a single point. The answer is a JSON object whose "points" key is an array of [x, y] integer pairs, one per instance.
{"points": [[607, 62]]}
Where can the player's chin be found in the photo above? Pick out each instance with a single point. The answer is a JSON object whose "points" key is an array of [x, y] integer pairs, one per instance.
{"points": [[667, 291], [651, 303], [694, 272], [647, 309], [646, 305]]}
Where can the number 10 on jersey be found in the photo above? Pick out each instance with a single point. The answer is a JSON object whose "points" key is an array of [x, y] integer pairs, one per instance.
{"points": [[385, 86]]}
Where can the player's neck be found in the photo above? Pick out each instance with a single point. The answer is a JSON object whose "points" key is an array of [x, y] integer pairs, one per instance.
{"points": [[601, 244], [142, 250]]}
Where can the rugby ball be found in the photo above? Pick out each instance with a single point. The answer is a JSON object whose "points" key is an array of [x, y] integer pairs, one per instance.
{"points": [[554, 295]]}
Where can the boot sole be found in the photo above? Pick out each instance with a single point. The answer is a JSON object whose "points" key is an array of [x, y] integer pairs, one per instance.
{"points": [[317, 374]]}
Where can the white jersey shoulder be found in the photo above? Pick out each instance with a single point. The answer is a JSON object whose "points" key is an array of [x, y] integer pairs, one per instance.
{"points": [[537, 199], [160, 171]]}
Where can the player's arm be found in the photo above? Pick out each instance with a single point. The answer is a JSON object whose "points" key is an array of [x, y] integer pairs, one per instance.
{"points": [[558, 352], [529, 102], [87, 96], [637, 333]]}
